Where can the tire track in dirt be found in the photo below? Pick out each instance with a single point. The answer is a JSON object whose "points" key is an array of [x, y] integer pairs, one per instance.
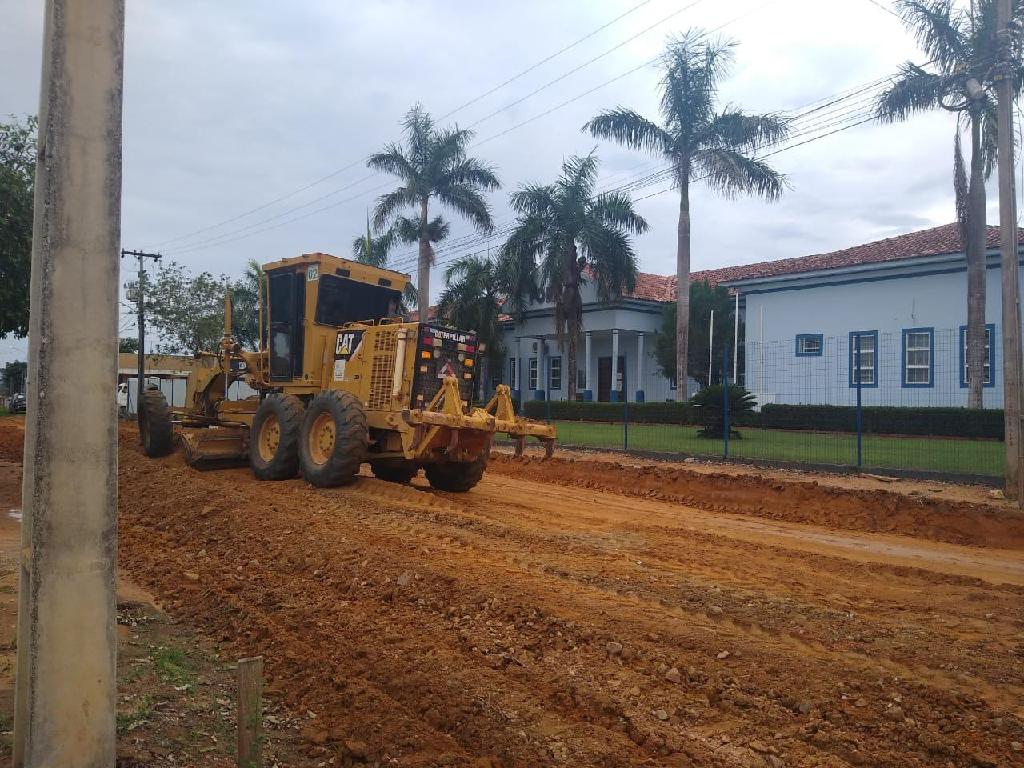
{"points": [[533, 640]]}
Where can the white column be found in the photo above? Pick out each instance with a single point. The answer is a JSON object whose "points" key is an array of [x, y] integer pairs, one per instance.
{"points": [[640, 362], [65, 697], [517, 384], [615, 366], [586, 364], [736, 339]]}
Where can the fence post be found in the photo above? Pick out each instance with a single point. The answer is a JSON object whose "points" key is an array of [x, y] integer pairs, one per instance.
{"points": [[625, 420], [857, 373], [250, 712], [725, 402]]}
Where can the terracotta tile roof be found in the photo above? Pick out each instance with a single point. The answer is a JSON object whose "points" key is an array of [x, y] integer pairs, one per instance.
{"points": [[926, 242]]}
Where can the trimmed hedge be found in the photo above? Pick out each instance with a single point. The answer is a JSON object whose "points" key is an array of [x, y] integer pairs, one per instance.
{"points": [[639, 413], [879, 420], [885, 420]]}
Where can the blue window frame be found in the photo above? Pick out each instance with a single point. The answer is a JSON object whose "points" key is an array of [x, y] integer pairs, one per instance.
{"points": [[512, 380], [867, 371], [809, 344], [533, 373], [918, 358], [990, 355], [555, 373]]}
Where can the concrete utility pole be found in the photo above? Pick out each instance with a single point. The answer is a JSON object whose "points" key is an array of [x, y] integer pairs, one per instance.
{"points": [[65, 693], [1008, 248], [141, 256]]}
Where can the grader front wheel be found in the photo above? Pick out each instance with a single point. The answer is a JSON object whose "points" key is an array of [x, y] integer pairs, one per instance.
{"points": [[155, 427], [334, 439], [274, 450], [457, 476]]}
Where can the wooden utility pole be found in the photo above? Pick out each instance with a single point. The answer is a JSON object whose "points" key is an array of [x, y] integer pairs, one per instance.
{"points": [[250, 712], [1008, 248], [141, 310], [65, 689]]}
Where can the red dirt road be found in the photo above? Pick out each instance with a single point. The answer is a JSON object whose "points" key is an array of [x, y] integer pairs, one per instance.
{"points": [[535, 621]]}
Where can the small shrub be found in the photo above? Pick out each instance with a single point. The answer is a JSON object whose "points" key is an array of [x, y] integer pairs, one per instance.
{"points": [[710, 406]]}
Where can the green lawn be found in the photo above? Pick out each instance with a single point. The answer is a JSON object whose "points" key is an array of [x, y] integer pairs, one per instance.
{"points": [[979, 457]]}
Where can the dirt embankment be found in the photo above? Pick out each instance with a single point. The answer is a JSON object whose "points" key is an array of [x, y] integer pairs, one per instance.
{"points": [[800, 501]]}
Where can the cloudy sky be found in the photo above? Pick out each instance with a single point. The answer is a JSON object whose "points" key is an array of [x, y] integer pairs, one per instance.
{"points": [[246, 123]]}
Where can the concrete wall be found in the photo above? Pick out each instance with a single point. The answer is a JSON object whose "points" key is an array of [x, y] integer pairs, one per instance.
{"points": [[889, 302]]}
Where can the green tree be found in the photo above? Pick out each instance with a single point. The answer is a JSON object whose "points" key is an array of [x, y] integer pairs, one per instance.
{"points": [[710, 405], [564, 236], [703, 299], [961, 45], [433, 164], [185, 311], [470, 301], [701, 144], [128, 344], [17, 183], [246, 296], [374, 250], [14, 375]]}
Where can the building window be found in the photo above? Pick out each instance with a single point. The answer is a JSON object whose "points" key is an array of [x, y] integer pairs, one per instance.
{"points": [[672, 383], [581, 379], [864, 371], [918, 357], [990, 332], [555, 373], [512, 380], [809, 344], [533, 373]]}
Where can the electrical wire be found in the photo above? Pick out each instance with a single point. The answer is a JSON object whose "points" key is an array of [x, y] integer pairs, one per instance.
{"points": [[244, 232]]}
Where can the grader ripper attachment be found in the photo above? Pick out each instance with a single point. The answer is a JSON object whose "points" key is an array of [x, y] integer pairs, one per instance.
{"points": [[341, 379]]}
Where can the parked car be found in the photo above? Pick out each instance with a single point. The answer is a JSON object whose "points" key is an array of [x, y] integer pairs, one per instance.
{"points": [[18, 403]]}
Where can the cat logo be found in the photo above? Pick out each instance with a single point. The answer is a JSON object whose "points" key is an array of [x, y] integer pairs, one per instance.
{"points": [[312, 273], [446, 370], [347, 345]]}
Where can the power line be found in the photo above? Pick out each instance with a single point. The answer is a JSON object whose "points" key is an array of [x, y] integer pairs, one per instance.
{"points": [[361, 160], [226, 237], [888, 10]]}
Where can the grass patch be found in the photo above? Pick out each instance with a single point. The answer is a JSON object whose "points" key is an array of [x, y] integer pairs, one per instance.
{"points": [[939, 454], [172, 666], [129, 721]]}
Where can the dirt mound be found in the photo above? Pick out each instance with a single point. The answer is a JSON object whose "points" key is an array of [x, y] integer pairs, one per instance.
{"points": [[792, 501]]}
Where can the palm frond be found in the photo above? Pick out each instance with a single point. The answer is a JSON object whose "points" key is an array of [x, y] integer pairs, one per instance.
{"points": [[533, 200], [630, 129], [610, 259], [914, 89], [616, 209], [465, 200], [579, 174], [693, 66], [941, 29], [388, 205], [960, 189], [471, 171], [735, 129], [394, 162], [731, 173]]}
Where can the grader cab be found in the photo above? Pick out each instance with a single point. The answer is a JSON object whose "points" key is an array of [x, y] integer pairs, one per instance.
{"points": [[341, 379]]}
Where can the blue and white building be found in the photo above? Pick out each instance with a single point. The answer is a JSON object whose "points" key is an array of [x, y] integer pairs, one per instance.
{"points": [[900, 302]]}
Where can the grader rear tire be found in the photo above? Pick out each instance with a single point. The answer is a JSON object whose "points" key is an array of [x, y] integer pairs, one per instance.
{"points": [[395, 470], [457, 476], [155, 428], [274, 443], [334, 439]]}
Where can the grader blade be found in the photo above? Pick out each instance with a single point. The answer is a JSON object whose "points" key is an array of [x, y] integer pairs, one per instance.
{"points": [[215, 447]]}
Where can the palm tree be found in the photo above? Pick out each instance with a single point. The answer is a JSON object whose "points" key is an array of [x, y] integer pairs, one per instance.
{"points": [[566, 235], [962, 47], [471, 300], [374, 251], [247, 295], [700, 144], [433, 164]]}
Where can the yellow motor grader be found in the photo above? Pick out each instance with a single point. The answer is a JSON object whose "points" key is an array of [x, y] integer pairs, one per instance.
{"points": [[341, 379]]}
